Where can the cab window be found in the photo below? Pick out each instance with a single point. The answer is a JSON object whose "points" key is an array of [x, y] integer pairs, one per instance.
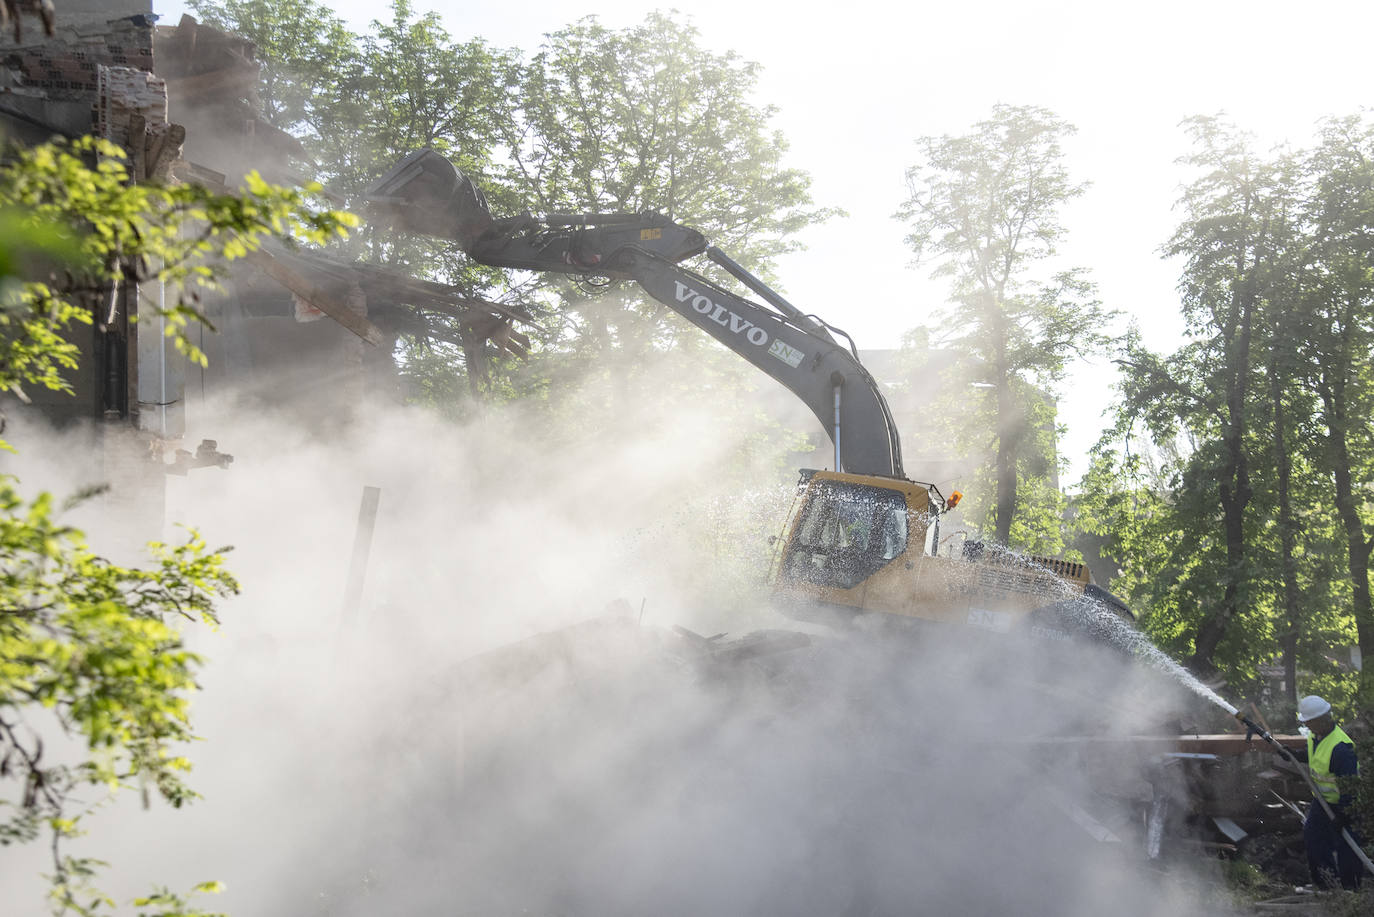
{"points": [[845, 533]]}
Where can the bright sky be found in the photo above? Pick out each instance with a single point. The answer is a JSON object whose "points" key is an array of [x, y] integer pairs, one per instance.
{"points": [[855, 84]]}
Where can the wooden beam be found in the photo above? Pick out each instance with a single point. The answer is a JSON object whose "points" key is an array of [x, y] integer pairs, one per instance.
{"points": [[187, 171], [283, 273], [237, 80], [1226, 745], [307, 290]]}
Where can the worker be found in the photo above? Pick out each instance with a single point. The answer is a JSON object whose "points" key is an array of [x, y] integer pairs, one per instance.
{"points": [[1330, 755]]}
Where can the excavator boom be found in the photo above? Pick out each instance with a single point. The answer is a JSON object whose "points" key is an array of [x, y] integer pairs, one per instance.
{"points": [[427, 194], [863, 538]]}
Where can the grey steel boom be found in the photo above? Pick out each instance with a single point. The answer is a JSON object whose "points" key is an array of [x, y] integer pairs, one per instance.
{"points": [[425, 193]]}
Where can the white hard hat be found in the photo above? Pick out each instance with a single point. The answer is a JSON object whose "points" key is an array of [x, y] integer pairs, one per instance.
{"points": [[1311, 707]]}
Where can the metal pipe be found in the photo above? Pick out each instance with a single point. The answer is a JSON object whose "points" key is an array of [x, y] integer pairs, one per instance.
{"points": [[362, 546], [838, 381], [740, 273], [162, 359]]}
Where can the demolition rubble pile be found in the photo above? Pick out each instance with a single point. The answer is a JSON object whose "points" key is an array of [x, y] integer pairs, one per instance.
{"points": [[610, 766]]}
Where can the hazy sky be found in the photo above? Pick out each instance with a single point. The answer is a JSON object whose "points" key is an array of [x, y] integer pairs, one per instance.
{"points": [[885, 73]]}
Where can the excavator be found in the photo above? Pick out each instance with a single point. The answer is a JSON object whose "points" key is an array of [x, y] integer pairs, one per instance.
{"points": [[861, 547], [862, 540]]}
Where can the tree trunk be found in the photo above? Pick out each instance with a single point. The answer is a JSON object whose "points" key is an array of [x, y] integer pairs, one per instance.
{"points": [[1235, 482], [1007, 436], [1357, 543], [475, 360], [1292, 618], [1006, 461]]}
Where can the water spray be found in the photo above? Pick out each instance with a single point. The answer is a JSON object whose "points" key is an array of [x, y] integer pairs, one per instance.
{"points": [[1255, 729], [1142, 647]]}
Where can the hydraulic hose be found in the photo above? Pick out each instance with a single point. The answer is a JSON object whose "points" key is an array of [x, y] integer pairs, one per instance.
{"points": [[1256, 729]]}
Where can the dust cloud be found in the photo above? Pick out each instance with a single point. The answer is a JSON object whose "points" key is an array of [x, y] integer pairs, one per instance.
{"points": [[495, 735]]}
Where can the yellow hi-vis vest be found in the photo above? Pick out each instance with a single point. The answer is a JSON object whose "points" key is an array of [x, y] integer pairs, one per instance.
{"points": [[1319, 762]]}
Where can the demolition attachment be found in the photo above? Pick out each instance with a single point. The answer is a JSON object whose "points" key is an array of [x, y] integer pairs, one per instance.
{"points": [[426, 194]]}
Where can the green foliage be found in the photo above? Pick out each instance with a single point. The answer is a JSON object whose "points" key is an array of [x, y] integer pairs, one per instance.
{"points": [[1247, 882], [595, 120], [960, 410], [303, 50], [361, 102], [165, 903], [1362, 788], [1208, 393], [93, 650], [90, 649], [1337, 292], [1248, 537], [984, 211], [985, 206], [646, 118]]}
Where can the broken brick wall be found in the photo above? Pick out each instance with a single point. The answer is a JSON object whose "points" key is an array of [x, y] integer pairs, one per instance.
{"points": [[94, 75], [56, 81]]}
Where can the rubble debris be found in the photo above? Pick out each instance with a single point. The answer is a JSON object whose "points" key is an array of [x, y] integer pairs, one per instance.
{"points": [[534, 730], [65, 82]]}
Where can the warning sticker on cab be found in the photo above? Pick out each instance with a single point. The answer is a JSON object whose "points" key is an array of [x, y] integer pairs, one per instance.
{"points": [[789, 355]]}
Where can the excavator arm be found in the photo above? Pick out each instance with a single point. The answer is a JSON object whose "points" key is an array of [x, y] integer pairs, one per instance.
{"points": [[425, 193], [862, 538]]}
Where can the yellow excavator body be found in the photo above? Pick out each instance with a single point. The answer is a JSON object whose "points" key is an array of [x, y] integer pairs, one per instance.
{"points": [[866, 543]]}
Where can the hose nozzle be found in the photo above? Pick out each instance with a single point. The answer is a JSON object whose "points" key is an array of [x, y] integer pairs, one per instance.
{"points": [[1255, 729]]}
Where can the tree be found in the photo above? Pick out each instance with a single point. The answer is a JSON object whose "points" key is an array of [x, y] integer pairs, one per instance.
{"points": [[646, 118], [1288, 415], [306, 54], [361, 103], [1339, 295], [984, 208], [1226, 240], [595, 120], [1248, 502], [89, 648]]}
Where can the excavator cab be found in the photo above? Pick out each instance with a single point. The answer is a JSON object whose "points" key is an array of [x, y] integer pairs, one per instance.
{"points": [[857, 544], [845, 531], [847, 528]]}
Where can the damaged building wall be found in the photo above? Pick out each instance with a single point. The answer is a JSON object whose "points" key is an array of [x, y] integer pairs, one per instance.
{"points": [[267, 349], [93, 76], [291, 336], [101, 73], [307, 334]]}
